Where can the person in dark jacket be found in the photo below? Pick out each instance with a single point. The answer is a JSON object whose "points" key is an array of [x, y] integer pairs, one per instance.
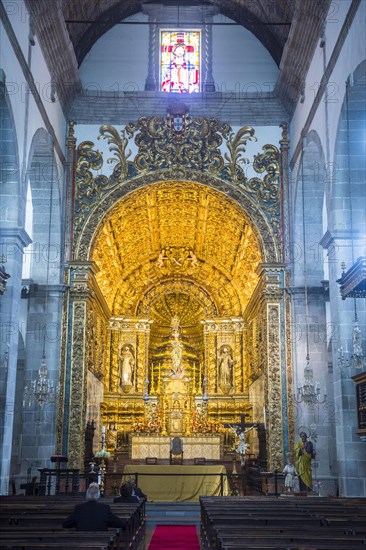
{"points": [[93, 515], [126, 494], [137, 491]]}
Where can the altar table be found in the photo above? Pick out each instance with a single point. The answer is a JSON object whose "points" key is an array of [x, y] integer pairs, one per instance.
{"points": [[197, 481], [209, 446]]}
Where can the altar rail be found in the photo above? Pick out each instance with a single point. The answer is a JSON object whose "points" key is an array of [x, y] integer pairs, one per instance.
{"points": [[74, 482]]}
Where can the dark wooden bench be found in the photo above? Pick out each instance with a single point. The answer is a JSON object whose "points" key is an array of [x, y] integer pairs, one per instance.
{"points": [[266, 522], [39, 520]]}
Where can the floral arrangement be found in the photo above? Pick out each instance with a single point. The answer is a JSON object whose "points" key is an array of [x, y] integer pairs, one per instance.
{"points": [[200, 424], [152, 423]]}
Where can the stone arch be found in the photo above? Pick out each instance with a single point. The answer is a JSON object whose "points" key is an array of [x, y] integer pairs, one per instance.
{"points": [[10, 173], [308, 297], [43, 312], [308, 209], [347, 205], [348, 192], [43, 179]]}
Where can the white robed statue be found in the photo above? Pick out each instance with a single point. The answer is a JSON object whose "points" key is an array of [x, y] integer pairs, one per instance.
{"points": [[177, 351]]}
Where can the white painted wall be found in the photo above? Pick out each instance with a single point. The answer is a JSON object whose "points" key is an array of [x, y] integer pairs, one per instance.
{"points": [[352, 54], [240, 61], [18, 89], [118, 61]]}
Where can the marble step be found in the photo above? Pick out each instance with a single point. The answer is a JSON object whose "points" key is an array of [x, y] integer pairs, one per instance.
{"points": [[179, 513]]}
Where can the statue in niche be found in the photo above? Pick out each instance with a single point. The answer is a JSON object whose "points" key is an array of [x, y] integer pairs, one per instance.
{"points": [[127, 365], [225, 367]]}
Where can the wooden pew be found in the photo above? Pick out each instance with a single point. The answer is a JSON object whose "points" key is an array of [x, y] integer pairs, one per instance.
{"points": [[33, 518], [244, 522]]}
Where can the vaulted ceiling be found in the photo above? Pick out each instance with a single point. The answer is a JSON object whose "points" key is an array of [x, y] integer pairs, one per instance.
{"points": [[148, 249], [289, 29], [269, 21]]}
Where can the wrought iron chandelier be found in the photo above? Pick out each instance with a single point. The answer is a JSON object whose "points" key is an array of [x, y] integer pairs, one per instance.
{"points": [[310, 392], [357, 359], [41, 390]]}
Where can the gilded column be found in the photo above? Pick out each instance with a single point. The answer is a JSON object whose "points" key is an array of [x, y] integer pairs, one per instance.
{"points": [[69, 191], [210, 343], [238, 356], [275, 395], [284, 194], [143, 332], [75, 379]]}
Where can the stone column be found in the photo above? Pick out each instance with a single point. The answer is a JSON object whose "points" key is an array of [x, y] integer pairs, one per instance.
{"points": [[42, 335], [151, 84], [208, 84], [349, 450], [12, 242]]}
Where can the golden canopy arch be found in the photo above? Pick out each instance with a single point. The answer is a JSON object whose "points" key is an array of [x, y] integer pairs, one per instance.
{"points": [[151, 250]]}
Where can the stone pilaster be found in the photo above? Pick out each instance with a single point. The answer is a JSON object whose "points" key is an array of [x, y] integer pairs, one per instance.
{"points": [[12, 243]]}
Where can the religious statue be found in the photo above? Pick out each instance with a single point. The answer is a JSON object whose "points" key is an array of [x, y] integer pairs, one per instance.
{"points": [[127, 363], [177, 370], [242, 443], [304, 452], [225, 367], [177, 355], [291, 474]]}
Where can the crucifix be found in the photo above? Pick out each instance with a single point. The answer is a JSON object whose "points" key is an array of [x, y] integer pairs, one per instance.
{"points": [[241, 429]]}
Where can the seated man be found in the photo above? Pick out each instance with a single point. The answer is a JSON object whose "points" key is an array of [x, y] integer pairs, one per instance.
{"points": [[126, 493], [93, 515], [137, 491]]}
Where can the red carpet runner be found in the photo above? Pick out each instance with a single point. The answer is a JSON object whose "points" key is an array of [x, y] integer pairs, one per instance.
{"points": [[174, 537]]}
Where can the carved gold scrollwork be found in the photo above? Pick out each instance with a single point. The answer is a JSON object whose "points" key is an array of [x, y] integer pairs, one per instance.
{"points": [[274, 387], [235, 143], [118, 147], [177, 156], [266, 191], [160, 147]]}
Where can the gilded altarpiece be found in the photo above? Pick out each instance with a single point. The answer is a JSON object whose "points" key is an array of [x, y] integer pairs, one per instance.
{"points": [[114, 283]]}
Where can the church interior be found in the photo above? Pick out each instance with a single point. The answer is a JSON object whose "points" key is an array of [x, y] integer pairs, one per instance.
{"points": [[182, 240]]}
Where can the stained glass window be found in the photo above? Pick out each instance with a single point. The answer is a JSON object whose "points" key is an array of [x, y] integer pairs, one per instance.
{"points": [[180, 56]]}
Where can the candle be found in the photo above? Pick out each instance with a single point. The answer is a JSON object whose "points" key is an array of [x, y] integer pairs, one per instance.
{"points": [[264, 417], [103, 429]]}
